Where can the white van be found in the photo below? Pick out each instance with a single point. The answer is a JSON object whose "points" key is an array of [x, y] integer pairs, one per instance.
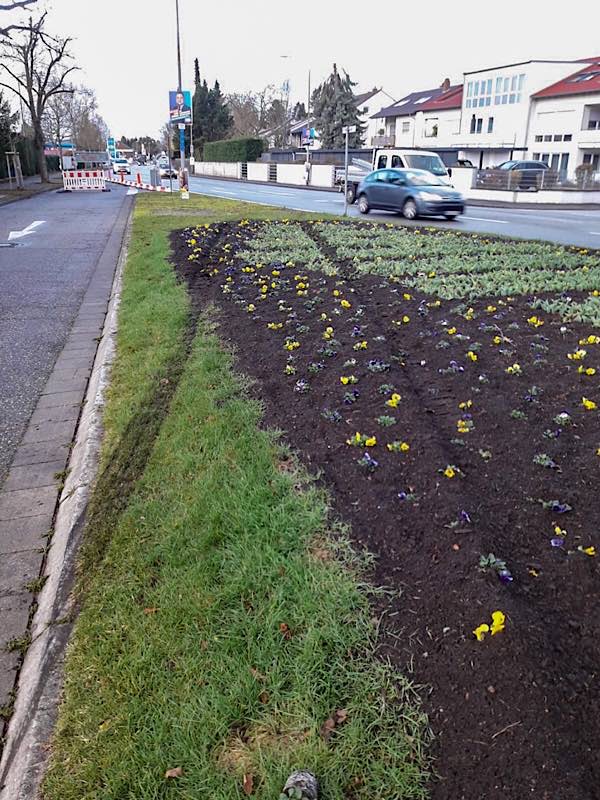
{"points": [[394, 158]]}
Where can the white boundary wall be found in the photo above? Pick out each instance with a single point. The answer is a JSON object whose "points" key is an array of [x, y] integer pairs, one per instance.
{"points": [[291, 173], [258, 172], [322, 175], [218, 169]]}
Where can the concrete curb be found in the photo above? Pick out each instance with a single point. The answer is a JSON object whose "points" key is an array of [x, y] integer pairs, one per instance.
{"points": [[40, 680]]}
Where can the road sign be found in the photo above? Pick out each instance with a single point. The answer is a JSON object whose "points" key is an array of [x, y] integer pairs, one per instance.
{"points": [[349, 129]]}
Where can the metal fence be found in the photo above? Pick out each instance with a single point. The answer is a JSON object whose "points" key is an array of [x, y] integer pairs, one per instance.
{"points": [[535, 180]]}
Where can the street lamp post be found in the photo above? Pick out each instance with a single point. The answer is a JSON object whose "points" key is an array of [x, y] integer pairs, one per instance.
{"points": [[183, 184]]}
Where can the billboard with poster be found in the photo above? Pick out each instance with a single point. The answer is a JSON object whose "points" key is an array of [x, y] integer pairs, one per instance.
{"points": [[180, 106]]}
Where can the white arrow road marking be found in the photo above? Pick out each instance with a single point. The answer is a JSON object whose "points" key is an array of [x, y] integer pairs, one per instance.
{"points": [[26, 231]]}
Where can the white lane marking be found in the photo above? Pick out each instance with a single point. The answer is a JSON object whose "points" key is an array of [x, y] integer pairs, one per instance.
{"points": [[594, 233], [132, 191], [26, 231], [485, 219]]}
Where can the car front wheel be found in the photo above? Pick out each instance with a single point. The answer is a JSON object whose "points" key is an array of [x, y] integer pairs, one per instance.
{"points": [[409, 209], [452, 216], [363, 204]]}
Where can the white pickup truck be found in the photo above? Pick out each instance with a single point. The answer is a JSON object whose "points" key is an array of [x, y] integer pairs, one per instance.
{"points": [[390, 157]]}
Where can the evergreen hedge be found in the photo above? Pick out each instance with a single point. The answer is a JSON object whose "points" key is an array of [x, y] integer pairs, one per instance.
{"points": [[233, 150]]}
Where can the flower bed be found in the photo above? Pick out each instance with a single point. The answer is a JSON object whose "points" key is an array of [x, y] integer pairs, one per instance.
{"points": [[461, 441]]}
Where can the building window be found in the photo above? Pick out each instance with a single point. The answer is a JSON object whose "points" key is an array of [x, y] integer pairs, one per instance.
{"points": [[490, 124], [557, 137], [545, 158], [473, 123], [536, 156], [548, 137], [406, 127], [567, 137], [564, 163], [539, 138], [479, 125]]}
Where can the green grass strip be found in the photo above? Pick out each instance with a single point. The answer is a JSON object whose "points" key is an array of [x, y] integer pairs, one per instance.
{"points": [[221, 624], [179, 659]]}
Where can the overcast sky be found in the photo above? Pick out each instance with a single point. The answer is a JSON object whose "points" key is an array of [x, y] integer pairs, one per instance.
{"points": [[127, 50]]}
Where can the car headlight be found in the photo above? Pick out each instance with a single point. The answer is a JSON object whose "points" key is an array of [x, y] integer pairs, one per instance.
{"points": [[430, 196]]}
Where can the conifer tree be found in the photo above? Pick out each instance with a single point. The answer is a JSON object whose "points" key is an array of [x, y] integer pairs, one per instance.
{"points": [[334, 106]]}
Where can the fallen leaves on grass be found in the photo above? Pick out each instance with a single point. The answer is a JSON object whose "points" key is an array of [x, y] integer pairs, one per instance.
{"points": [[331, 723], [248, 783], [176, 772]]}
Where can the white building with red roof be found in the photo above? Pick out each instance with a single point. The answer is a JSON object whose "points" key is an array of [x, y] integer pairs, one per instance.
{"points": [[564, 130]]}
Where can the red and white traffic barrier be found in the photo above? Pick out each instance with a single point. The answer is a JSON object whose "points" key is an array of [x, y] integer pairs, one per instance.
{"points": [[77, 179], [137, 184]]}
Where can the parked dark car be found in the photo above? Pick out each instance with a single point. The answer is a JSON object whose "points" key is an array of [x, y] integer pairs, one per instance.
{"points": [[413, 192], [529, 172]]}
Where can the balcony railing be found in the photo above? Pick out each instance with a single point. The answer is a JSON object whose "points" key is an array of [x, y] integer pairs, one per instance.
{"points": [[533, 180]]}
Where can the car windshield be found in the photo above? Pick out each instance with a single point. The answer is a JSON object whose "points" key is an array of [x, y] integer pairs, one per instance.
{"points": [[422, 178], [507, 164], [432, 164]]}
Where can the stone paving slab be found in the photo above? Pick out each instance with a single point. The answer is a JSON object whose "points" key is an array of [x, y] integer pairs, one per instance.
{"points": [[47, 431], [27, 533], [40, 452], [56, 414], [34, 476], [16, 571], [27, 503], [58, 399], [8, 673]]}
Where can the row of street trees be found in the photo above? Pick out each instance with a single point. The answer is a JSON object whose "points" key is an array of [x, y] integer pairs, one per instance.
{"points": [[35, 66]]}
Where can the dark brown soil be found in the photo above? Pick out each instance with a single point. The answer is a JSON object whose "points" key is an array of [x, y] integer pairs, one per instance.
{"points": [[518, 714]]}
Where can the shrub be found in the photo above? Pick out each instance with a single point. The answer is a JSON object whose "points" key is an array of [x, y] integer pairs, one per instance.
{"points": [[233, 150]]}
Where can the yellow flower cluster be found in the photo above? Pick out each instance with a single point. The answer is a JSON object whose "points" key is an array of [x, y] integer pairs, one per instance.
{"points": [[346, 379], [591, 339], [498, 624], [291, 344], [464, 425], [328, 334], [451, 331], [588, 404], [275, 326], [586, 371], [394, 400], [515, 369], [471, 355], [345, 304], [398, 446], [578, 355], [362, 440], [465, 404], [360, 345], [535, 322]]}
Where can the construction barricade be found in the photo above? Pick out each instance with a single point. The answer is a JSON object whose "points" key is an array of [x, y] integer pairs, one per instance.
{"points": [[77, 179]]}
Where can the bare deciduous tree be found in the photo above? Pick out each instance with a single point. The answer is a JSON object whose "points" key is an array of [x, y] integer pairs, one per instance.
{"points": [[35, 62], [13, 6]]}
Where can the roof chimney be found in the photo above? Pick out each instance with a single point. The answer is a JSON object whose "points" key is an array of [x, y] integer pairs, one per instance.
{"points": [[445, 85]]}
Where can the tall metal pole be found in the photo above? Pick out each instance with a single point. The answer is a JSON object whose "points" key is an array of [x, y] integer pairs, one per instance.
{"points": [[178, 47], [182, 180], [347, 131]]}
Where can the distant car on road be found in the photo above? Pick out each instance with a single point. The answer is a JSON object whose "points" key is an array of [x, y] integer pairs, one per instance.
{"points": [[121, 166], [166, 171], [529, 171], [412, 192]]}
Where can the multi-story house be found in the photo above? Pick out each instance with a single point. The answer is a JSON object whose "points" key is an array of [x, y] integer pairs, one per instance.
{"points": [[367, 103], [497, 109], [565, 122], [400, 124]]}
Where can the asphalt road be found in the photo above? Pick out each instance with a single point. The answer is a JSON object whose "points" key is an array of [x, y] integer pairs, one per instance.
{"points": [[42, 283], [576, 227]]}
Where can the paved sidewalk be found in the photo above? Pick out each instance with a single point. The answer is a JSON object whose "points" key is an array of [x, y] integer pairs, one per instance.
{"points": [[30, 493]]}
